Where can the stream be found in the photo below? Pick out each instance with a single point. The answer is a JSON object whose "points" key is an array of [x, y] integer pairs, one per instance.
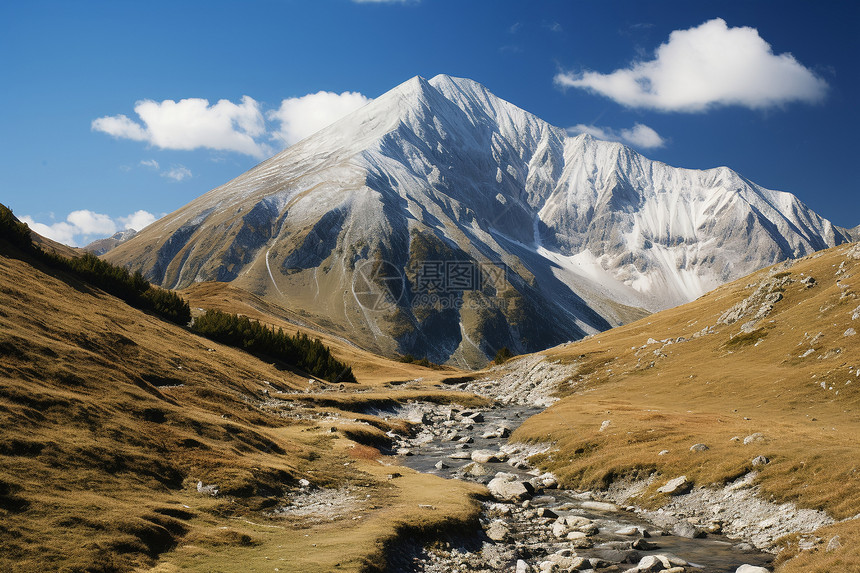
{"points": [[547, 529]]}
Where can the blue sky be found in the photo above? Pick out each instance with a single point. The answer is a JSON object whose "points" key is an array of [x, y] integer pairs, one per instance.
{"points": [[104, 123]]}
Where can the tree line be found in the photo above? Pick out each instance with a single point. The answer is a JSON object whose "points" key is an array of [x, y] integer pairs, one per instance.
{"points": [[307, 353], [118, 281]]}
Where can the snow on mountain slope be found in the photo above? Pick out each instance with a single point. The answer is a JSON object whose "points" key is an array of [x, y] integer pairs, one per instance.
{"points": [[564, 236]]}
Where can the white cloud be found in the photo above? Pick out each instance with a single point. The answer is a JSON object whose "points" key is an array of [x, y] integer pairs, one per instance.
{"points": [[120, 126], [149, 163], [704, 67], [304, 116], [84, 226], [639, 135], [177, 173], [90, 223], [137, 220], [192, 124]]}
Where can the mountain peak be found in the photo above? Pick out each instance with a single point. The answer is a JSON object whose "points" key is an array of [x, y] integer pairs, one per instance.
{"points": [[588, 234]]}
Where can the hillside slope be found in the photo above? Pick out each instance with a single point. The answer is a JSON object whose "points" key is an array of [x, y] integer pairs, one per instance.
{"points": [[765, 366], [441, 220], [130, 443]]}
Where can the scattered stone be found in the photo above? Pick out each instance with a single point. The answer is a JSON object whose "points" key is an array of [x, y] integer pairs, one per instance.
{"points": [[605, 424], [498, 531], [754, 438], [760, 461], [662, 452], [849, 332], [302, 483], [699, 448], [677, 486], [440, 465], [547, 513], [522, 566], [404, 452], [462, 455]]}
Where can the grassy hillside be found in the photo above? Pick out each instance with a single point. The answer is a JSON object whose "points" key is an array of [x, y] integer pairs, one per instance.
{"points": [[774, 354], [111, 417]]}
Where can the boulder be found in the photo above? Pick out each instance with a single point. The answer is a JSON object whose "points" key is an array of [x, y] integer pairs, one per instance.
{"points": [[632, 530], [699, 448], [688, 530], [760, 461], [677, 486], [643, 545], [487, 456], [753, 438], [506, 488], [750, 569], [498, 531], [649, 564]]}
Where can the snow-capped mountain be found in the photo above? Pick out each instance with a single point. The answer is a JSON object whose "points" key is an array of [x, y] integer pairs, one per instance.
{"points": [[440, 220], [101, 246]]}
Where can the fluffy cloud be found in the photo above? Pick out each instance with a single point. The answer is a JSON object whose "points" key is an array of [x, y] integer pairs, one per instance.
{"points": [[84, 226], [639, 135], [303, 116], [137, 220], [191, 124], [703, 67], [177, 173]]}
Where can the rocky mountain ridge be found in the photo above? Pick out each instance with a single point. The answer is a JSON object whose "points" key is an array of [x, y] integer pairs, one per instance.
{"points": [[441, 220]]}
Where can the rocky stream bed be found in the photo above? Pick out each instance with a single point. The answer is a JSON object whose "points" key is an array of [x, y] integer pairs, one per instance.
{"points": [[531, 525]]}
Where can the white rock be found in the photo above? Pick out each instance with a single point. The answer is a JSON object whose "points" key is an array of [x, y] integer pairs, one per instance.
{"points": [[488, 456], [677, 486], [599, 506], [632, 530], [750, 569]]}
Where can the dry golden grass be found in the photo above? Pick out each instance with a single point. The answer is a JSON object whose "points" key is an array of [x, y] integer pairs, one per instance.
{"points": [[110, 417], [711, 388]]}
